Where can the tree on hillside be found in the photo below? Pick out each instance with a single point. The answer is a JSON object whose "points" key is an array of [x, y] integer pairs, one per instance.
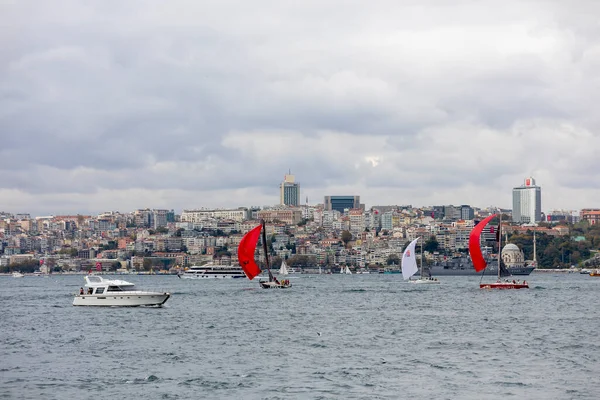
{"points": [[393, 259], [346, 237], [431, 244]]}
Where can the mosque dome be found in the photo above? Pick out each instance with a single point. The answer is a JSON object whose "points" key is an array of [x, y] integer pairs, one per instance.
{"points": [[513, 256], [510, 247]]}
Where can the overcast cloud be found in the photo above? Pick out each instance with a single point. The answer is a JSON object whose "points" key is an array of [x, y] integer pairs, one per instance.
{"points": [[118, 105]]}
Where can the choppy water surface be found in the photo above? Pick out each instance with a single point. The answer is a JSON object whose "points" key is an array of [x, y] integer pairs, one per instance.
{"points": [[329, 337]]}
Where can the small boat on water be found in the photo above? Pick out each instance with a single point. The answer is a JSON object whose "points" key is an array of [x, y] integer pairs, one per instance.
{"points": [[409, 265], [17, 274], [595, 273], [99, 291], [480, 264], [283, 270], [246, 251], [345, 270]]}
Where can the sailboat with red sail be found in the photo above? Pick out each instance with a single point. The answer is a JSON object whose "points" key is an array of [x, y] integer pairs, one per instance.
{"points": [[479, 262], [246, 251]]}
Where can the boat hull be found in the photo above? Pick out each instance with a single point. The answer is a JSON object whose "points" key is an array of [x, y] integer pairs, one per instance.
{"points": [[426, 282], [211, 276], [274, 285], [503, 285], [123, 299], [470, 271]]}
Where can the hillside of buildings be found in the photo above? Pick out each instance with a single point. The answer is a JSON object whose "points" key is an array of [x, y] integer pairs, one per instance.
{"points": [[306, 237]]}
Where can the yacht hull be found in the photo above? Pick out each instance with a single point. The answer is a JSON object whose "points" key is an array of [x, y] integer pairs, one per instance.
{"points": [[122, 299]]}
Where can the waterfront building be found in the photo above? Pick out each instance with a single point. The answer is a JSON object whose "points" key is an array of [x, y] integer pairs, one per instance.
{"points": [[289, 191], [527, 202]]}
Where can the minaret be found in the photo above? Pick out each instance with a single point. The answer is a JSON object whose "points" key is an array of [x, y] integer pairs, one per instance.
{"points": [[534, 252]]}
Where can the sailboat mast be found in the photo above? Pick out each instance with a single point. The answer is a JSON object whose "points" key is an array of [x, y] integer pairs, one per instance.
{"points": [[264, 240], [534, 252], [422, 272], [499, 242]]}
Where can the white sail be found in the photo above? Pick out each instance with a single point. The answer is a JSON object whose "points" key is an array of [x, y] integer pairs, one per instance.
{"points": [[347, 271], [283, 269], [409, 261]]}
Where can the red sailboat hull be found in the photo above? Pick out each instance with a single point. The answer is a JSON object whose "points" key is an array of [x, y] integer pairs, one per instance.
{"points": [[503, 285]]}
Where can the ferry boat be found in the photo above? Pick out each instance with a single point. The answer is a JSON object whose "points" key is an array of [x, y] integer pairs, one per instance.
{"points": [[212, 272], [114, 292]]}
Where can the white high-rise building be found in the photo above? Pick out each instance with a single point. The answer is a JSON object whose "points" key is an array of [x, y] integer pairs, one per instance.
{"points": [[527, 202]]}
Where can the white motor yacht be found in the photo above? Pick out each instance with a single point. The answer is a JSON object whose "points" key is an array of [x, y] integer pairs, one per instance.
{"points": [[114, 292], [17, 274]]}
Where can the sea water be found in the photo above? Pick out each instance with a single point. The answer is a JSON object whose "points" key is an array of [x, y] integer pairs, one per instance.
{"points": [[328, 337]]}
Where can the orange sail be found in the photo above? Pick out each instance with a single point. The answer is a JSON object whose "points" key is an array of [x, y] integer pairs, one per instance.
{"points": [[246, 251], [474, 244]]}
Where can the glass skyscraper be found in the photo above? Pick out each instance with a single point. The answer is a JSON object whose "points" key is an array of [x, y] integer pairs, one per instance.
{"points": [[527, 203]]}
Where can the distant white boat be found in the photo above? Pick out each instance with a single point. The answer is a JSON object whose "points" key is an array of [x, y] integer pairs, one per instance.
{"points": [[409, 265], [17, 274], [345, 270], [113, 292], [283, 270]]}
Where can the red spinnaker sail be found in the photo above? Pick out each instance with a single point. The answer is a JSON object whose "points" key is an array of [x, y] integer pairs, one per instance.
{"points": [[474, 245], [246, 251]]}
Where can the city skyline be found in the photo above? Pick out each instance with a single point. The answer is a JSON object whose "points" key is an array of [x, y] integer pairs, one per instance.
{"points": [[326, 203], [192, 104]]}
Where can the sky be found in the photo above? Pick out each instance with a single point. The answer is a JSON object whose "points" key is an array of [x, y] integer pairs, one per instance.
{"points": [[109, 105]]}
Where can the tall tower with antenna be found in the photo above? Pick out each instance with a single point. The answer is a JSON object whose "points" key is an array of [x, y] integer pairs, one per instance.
{"points": [[289, 191]]}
